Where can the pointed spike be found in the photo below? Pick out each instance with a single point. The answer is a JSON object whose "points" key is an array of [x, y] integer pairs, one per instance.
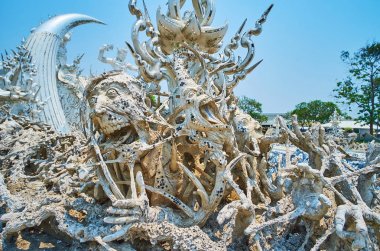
{"points": [[130, 48], [145, 9], [242, 26], [6, 53], [254, 66], [146, 15], [265, 15], [2, 58], [14, 53], [198, 9], [269, 9]]}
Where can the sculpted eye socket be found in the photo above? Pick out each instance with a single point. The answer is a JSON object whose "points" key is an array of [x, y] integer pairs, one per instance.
{"points": [[92, 101], [112, 93]]}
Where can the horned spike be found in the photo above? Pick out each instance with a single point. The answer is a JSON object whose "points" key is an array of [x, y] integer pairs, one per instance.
{"points": [[198, 9], [147, 16], [6, 53], [78, 59], [146, 10], [242, 26], [265, 15], [2, 57], [268, 10], [254, 66], [130, 48]]}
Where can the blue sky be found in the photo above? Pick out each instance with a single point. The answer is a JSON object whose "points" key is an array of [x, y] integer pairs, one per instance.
{"points": [[300, 44]]}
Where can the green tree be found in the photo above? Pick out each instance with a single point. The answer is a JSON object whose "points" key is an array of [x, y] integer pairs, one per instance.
{"points": [[253, 108], [315, 111], [362, 86]]}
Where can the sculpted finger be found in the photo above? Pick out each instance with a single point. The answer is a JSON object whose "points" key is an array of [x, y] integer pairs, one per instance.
{"points": [[120, 220], [124, 212], [118, 234], [128, 203]]}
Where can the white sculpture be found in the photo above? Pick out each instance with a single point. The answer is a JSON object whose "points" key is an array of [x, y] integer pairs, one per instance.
{"points": [[117, 63], [184, 170]]}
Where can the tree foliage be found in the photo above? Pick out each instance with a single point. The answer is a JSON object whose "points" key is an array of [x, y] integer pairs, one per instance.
{"points": [[315, 111], [362, 86], [253, 108]]}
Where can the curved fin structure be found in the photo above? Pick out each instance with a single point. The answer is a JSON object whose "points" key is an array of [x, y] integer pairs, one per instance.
{"points": [[192, 28], [209, 13], [211, 37], [43, 45], [169, 28], [174, 9]]}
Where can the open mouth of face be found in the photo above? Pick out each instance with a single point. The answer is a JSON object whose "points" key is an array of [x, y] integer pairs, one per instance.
{"points": [[210, 112], [112, 125]]}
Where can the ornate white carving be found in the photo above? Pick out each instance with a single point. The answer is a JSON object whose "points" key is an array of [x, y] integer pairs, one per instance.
{"points": [[136, 163]]}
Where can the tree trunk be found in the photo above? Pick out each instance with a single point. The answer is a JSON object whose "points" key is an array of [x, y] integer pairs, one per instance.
{"points": [[372, 113]]}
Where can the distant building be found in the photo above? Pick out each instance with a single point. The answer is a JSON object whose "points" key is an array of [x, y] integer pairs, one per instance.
{"points": [[271, 121], [356, 127], [362, 130]]}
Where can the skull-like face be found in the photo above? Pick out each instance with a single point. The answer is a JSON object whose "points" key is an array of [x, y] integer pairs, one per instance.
{"points": [[117, 104]]}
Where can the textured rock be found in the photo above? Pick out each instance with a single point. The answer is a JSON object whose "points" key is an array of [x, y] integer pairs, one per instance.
{"points": [[139, 168]]}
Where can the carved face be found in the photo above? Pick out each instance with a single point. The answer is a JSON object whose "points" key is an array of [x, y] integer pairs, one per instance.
{"points": [[202, 105], [117, 104]]}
